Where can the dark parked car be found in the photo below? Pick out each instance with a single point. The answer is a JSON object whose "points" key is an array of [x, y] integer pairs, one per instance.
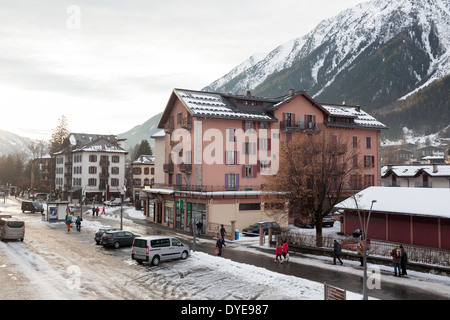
{"points": [[118, 239], [327, 221], [100, 232], [32, 206], [253, 230]]}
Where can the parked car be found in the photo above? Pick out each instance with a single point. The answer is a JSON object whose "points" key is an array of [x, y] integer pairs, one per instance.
{"points": [[253, 230], [113, 203], [32, 206], [98, 235], [304, 223], [117, 239], [12, 229], [158, 248], [327, 221]]}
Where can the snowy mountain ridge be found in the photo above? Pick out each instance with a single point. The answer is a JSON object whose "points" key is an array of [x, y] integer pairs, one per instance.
{"points": [[337, 43]]}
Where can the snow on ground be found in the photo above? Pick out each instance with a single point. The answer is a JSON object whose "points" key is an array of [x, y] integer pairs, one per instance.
{"points": [[201, 276]]}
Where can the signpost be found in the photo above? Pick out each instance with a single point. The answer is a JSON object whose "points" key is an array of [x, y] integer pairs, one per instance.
{"points": [[333, 293]]}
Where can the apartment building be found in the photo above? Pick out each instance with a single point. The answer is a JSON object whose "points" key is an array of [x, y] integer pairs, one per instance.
{"points": [[218, 147], [91, 167], [143, 171], [416, 175]]}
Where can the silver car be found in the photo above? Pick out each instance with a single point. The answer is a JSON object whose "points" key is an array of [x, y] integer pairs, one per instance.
{"points": [[158, 248]]}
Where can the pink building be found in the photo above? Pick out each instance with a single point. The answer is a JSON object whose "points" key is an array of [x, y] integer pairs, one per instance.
{"points": [[219, 146]]}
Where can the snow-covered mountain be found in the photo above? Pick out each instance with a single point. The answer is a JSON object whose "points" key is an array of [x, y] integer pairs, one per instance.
{"points": [[12, 143], [376, 54]]}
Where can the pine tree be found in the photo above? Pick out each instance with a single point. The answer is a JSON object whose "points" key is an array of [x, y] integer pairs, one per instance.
{"points": [[59, 135]]}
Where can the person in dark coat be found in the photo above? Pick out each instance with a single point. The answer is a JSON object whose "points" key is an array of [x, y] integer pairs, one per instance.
{"points": [[337, 252], [222, 231], [78, 223], [403, 261], [219, 245]]}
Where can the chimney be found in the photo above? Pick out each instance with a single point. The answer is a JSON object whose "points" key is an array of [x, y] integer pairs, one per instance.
{"points": [[249, 93], [291, 92]]}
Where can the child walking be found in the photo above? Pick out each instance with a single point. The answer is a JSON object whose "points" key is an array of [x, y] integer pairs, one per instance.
{"points": [[278, 253]]}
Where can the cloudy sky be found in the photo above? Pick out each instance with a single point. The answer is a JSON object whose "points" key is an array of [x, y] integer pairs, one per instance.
{"points": [[109, 65]]}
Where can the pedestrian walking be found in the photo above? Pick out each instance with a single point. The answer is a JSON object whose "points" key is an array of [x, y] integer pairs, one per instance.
{"points": [[93, 210], [360, 252], [278, 253], [222, 231], [78, 223], [337, 248], [68, 222], [97, 210], [397, 259], [103, 210], [219, 245], [199, 227], [190, 226], [285, 250], [403, 261]]}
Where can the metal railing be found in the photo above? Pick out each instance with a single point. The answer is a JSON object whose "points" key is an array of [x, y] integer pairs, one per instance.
{"points": [[419, 254]]}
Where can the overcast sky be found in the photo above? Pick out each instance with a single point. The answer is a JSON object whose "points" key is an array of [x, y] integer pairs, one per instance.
{"points": [[109, 65]]}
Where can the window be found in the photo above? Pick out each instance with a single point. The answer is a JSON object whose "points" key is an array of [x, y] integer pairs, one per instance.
{"points": [[250, 148], [369, 161], [231, 181], [368, 142], [248, 171], [248, 125], [92, 182], [355, 141], [231, 135], [114, 182], [179, 179], [264, 166], [264, 144], [264, 125], [369, 180], [115, 159], [146, 170], [249, 206], [92, 158], [231, 157], [115, 170], [92, 170]]}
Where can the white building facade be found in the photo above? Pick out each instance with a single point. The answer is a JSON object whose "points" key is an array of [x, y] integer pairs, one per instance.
{"points": [[92, 167]]}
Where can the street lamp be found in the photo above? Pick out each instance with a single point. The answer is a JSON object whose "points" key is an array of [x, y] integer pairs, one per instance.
{"points": [[364, 237], [365, 290]]}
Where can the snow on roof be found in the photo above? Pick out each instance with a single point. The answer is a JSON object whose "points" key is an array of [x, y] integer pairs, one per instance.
{"points": [[361, 117], [101, 145], [144, 159], [430, 202], [214, 105], [159, 134], [434, 170]]}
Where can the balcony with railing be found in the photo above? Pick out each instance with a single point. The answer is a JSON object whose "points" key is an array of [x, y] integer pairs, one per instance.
{"points": [[185, 167], [186, 123], [289, 125], [168, 167], [168, 127]]}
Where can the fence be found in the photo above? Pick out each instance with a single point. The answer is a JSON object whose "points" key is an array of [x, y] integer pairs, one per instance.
{"points": [[417, 254]]}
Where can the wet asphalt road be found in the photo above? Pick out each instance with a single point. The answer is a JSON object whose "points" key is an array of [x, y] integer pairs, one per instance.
{"points": [[350, 282]]}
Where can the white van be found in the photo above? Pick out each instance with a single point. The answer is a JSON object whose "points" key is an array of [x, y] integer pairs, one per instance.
{"points": [[158, 248], [12, 229]]}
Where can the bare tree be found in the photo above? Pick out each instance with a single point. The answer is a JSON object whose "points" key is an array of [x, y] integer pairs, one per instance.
{"points": [[311, 175]]}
